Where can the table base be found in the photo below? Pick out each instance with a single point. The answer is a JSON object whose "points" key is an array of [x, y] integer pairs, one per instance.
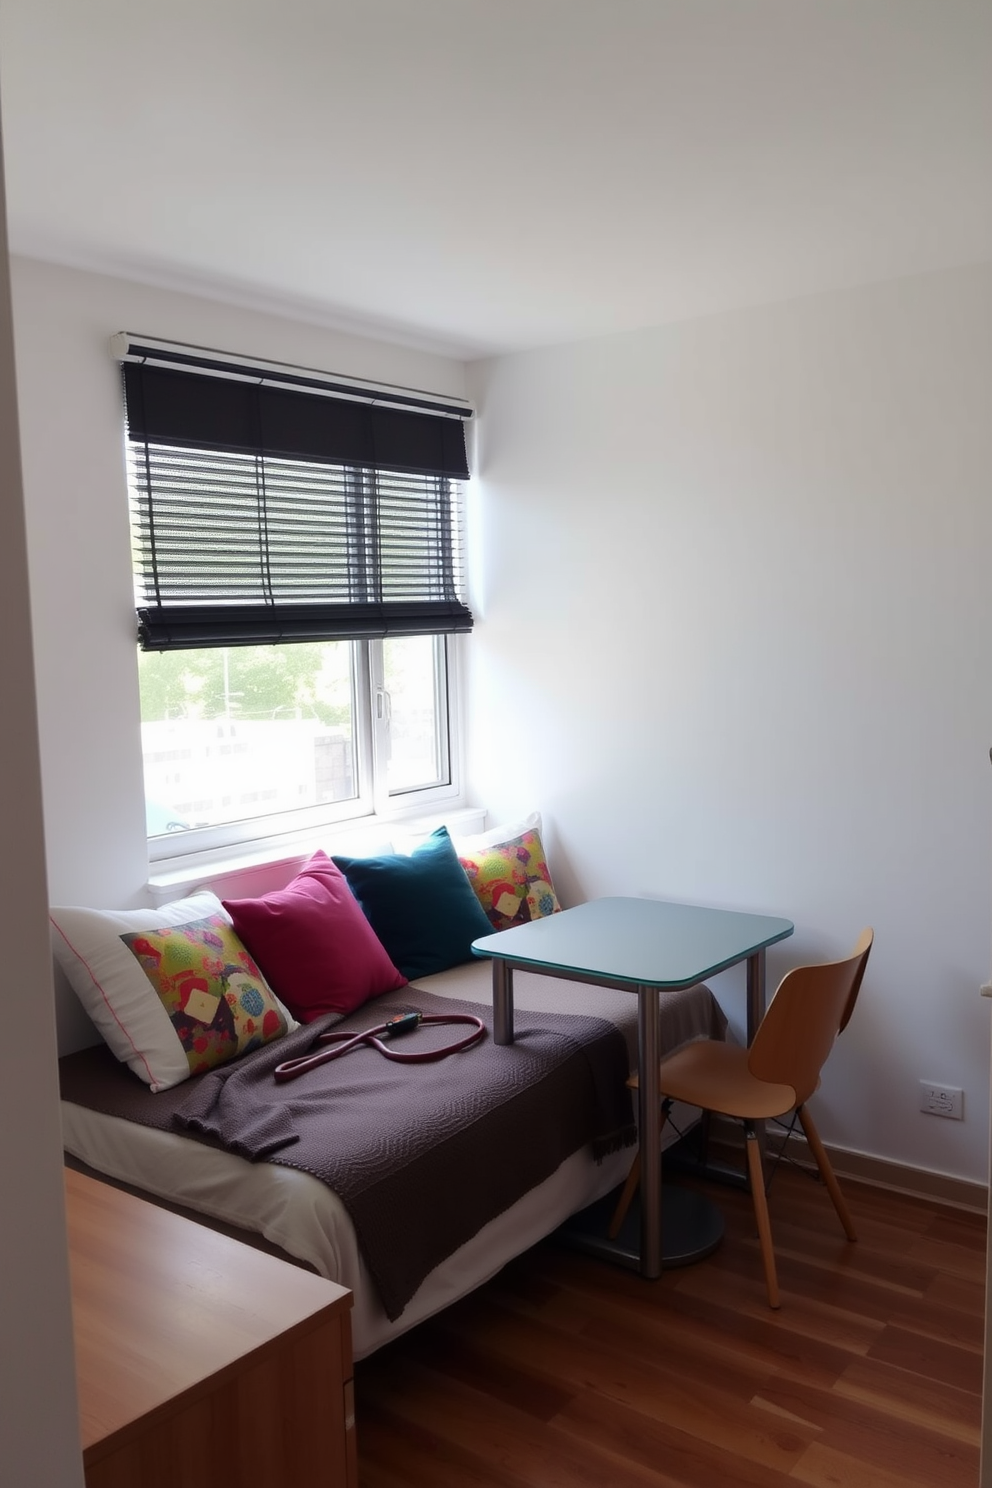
{"points": [[691, 1228], [713, 1172]]}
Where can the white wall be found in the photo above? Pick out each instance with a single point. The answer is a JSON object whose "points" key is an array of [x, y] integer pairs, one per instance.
{"points": [[735, 641], [72, 434], [39, 1432]]}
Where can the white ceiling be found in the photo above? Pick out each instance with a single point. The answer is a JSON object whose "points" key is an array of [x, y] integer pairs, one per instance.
{"points": [[484, 175]]}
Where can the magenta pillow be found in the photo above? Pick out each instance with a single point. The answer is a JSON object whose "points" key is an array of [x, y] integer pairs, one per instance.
{"points": [[313, 943]]}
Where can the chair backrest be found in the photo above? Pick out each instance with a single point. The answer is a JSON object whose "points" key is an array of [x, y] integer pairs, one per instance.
{"points": [[811, 1006]]}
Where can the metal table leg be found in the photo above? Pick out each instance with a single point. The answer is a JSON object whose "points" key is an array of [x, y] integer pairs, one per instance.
{"points": [[502, 1002], [755, 992], [649, 1099]]}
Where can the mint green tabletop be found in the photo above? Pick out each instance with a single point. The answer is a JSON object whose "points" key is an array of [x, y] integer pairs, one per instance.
{"points": [[647, 942]]}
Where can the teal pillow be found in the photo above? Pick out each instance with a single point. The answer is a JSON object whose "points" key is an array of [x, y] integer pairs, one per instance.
{"points": [[422, 907]]}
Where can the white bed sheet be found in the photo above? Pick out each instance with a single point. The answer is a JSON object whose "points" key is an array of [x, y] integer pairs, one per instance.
{"points": [[307, 1219]]}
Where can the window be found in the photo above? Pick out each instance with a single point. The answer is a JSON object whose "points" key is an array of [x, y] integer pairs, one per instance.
{"points": [[298, 561]]}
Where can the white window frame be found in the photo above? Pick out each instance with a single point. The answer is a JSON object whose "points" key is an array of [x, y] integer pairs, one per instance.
{"points": [[373, 805], [385, 802]]}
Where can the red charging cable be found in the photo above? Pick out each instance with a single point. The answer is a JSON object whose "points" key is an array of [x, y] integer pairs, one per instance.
{"points": [[394, 1028]]}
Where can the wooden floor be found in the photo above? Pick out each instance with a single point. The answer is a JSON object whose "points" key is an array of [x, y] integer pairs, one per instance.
{"points": [[568, 1371]]}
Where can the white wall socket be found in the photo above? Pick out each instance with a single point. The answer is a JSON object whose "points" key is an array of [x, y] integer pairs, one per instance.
{"points": [[942, 1100]]}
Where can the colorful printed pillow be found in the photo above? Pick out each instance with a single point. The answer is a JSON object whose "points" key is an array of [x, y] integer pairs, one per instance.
{"points": [[314, 944], [173, 990], [420, 905], [216, 997], [509, 873]]}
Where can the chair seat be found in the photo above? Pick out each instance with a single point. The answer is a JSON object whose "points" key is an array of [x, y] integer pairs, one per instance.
{"points": [[714, 1075]]}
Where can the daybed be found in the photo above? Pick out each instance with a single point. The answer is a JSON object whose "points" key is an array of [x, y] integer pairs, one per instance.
{"points": [[296, 1211]]}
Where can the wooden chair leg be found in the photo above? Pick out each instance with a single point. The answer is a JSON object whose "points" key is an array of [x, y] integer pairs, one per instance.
{"points": [[827, 1172], [757, 1176], [630, 1187], [626, 1198]]}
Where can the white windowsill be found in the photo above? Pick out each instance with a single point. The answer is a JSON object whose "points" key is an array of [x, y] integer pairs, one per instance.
{"points": [[182, 875]]}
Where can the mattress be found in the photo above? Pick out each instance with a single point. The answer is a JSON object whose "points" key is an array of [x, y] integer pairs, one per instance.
{"points": [[305, 1218]]}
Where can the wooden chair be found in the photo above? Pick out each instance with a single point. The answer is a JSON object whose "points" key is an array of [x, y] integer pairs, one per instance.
{"points": [[776, 1075]]}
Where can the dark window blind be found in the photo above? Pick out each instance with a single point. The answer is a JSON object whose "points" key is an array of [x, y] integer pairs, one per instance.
{"points": [[264, 514]]}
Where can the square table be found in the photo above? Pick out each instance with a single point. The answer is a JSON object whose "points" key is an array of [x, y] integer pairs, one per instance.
{"points": [[644, 946]]}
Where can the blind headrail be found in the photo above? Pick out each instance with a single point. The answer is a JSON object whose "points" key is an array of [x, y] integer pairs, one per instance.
{"points": [[127, 346]]}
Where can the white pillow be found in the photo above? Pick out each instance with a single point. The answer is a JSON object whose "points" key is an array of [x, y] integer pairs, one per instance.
{"points": [[221, 1005], [505, 832]]}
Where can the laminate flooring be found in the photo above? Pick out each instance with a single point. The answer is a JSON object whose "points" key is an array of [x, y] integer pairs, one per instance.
{"points": [[568, 1372]]}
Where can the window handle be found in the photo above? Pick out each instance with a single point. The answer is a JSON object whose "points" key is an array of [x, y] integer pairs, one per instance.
{"points": [[383, 709]]}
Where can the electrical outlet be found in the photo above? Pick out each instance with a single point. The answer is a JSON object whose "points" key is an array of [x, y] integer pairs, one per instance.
{"points": [[942, 1100]]}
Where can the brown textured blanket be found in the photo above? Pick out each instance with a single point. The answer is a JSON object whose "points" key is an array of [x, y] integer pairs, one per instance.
{"points": [[423, 1155]]}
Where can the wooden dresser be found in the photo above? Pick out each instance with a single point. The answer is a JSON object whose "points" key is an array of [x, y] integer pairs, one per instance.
{"points": [[200, 1361]]}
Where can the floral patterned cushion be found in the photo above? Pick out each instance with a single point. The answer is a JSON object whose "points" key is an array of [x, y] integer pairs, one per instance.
{"points": [[217, 1000], [511, 878]]}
